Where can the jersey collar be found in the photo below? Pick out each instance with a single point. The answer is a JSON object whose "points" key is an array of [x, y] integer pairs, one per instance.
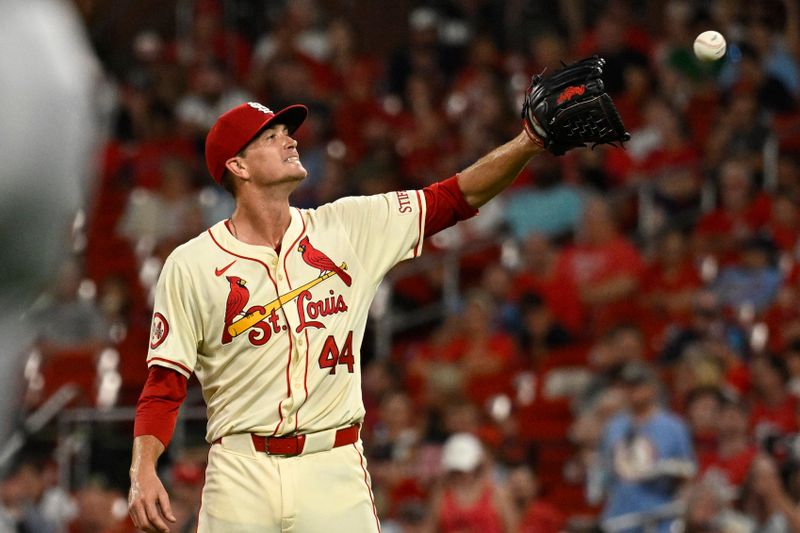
{"points": [[227, 241]]}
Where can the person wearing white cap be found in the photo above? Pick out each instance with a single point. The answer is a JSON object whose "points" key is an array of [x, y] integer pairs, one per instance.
{"points": [[467, 499]]}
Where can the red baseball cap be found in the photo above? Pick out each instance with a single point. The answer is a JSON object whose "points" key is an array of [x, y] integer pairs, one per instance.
{"points": [[237, 127]]}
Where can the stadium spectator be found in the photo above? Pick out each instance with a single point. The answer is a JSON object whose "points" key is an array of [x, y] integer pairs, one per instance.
{"points": [[540, 332], [768, 501], [709, 510], [616, 39], [774, 411], [770, 91], [497, 281], [753, 282], [170, 213], [156, 139], [536, 514], [424, 54], [699, 367], [30, 501], [487, 353], [742, 211], [586, 434], [68, 320], [787, 176], [791, 354], [400, 463], [669, 283], [210, 94], [707, 325], [703, 406], [783, 222], [296, 29], [549, 207], [740, 132], [468, 500], [781, 322], [209, 41], [604, 265], [608, 357], [101, 509], [730, 462], [540, 275], [646, 455]]}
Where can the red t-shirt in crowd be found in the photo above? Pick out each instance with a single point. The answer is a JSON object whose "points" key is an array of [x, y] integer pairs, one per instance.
{"points": [[595, 264], [722, 223], [735, 468], [559, 293], [480, 516], [782, 417], [591, 265], [499, 347], [657, 281], [541, 517]]}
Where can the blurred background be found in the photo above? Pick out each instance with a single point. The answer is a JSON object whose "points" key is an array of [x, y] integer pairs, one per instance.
{"points": [[497, 365]]}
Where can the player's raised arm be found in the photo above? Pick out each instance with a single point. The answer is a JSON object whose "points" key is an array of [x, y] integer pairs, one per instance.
{"points": [[566, 110], [491, 174]]}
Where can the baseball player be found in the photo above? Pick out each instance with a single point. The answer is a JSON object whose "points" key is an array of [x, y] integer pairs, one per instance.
{"points": [[268, 310]]}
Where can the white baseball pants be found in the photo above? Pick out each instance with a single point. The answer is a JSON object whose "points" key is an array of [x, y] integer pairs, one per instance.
{"points": [[251, 492]]}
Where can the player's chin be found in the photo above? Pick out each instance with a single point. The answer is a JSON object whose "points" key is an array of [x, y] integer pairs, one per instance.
{"points": [[299, 172]]}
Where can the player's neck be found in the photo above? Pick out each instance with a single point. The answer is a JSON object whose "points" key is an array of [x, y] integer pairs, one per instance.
{"points": [[260, 220]]}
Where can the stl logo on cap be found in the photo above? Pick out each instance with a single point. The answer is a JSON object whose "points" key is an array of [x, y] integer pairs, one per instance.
{"points": [[260, 107]]}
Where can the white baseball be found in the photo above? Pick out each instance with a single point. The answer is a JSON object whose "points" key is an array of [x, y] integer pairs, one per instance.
{"points": [[709, 46]]}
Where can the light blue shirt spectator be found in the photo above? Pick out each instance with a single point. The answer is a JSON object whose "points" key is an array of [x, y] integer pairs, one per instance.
{"points": [[551, 211], [643, 466]]}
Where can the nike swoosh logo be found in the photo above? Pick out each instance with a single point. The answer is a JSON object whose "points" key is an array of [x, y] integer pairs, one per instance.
{"points": [[221, 271]]}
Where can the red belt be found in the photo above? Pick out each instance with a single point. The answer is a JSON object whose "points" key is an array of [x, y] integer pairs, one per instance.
{"points": [[293, 445]]}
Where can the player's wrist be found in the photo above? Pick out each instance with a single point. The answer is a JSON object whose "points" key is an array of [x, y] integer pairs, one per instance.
{"points": [[142, 471], [531, 140]]}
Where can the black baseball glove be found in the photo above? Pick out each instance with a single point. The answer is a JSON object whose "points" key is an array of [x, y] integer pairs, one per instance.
{"points": [[570, 108]]}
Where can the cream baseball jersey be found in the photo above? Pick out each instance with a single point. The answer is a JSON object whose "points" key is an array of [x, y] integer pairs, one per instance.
{"points": [[275, 338]]}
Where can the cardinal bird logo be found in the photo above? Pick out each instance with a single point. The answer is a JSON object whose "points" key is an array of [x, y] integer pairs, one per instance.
{"points": [[237, 300], [317, 259]]}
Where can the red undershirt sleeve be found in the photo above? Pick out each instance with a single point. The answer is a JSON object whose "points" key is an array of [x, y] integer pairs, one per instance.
{"points": [[159, 402], [445, 205]]}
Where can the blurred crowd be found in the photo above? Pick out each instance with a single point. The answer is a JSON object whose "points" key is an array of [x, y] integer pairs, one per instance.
{"points": [[625, 350]]}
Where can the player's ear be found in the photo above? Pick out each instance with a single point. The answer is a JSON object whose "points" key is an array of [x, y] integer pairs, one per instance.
{"points": [[236, 166]]}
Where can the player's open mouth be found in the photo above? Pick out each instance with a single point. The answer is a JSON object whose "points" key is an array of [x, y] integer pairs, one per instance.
{"points": [[293, 159]]}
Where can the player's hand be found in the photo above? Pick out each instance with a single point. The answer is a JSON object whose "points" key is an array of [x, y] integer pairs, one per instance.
{"points": [[148, 503]]}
